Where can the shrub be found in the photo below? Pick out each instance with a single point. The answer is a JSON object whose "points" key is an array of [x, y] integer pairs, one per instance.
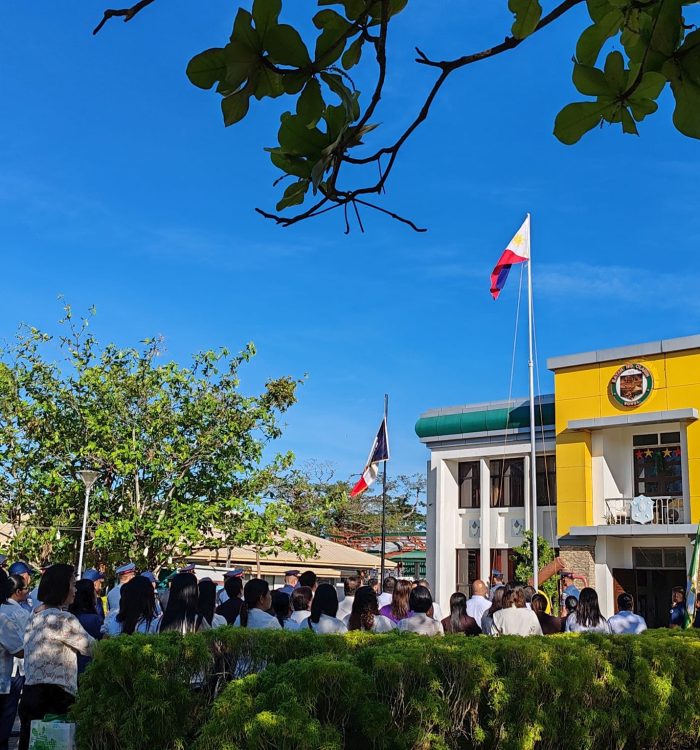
{"points": [[233, 689]]}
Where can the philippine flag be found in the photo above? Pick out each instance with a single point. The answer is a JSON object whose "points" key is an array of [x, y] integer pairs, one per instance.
{"points": [[518, 251], [378, 453]]}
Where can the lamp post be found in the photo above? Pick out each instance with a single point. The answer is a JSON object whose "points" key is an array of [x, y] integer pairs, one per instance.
{"points": [[89, 478]]}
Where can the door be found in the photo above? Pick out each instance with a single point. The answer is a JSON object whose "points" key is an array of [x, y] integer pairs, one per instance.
{"points": [[624, 580], [468, 562], [654, 594]]}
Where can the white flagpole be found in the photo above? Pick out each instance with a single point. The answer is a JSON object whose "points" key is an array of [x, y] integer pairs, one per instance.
{"points": [[533, 453]]}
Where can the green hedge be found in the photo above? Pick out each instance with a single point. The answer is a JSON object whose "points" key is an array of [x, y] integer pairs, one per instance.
{"points": [[397, 691]]}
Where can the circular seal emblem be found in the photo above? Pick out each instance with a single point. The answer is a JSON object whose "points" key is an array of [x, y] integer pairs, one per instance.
{"points": [[631, 385]]}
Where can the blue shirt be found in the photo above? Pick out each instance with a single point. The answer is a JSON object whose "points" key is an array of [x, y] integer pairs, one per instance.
{"points": [[572, 591], [677, 615], [113, 598]]}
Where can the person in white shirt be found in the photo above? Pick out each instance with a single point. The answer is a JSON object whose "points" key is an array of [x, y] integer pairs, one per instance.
{"points": [[587, 617], [324, 609], [256, 601], [388, 585], [365, 613], [182, 613], [625, 622], [421, 621], [301, 604], [136, 613], [515, 618], [350, 586], [13, 622], [478, 602]]}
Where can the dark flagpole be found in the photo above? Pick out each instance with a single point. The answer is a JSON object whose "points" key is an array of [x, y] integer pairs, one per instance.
{"points": [[383, 542]]}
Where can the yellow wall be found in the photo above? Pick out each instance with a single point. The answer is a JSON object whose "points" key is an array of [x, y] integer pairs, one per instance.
{"points": [[583, 393]]}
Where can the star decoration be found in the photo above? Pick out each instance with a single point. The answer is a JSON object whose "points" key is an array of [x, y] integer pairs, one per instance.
{"points": [[638, 454], [648, 453], [667, 453], [677, 452]]}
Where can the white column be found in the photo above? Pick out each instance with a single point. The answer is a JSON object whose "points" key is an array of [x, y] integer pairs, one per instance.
{"points": [[485, 520], [446, 528], [430, 527]]}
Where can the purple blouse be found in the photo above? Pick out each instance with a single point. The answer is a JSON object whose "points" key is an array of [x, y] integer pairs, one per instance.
{"points": [[386, 611]]}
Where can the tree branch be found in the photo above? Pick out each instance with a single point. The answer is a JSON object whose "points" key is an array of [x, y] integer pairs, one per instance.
{"points": [[126, 13]]}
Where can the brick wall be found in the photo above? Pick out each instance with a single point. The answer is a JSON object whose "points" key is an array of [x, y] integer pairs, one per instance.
{"points": [[580, 559]]}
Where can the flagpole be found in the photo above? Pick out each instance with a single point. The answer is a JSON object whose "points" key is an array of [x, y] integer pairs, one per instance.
{"points": [[533, 453], [383, 540]]}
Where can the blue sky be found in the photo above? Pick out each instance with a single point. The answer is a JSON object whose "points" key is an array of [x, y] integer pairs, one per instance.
{"points": [[121, 188]]}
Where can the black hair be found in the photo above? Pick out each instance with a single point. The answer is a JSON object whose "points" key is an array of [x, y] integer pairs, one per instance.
{"points": [[183, 604], [255, 590], [325, 602], [137, 602], [54, 585], [458, 611], [207, 600], [351, 584], [84, 602], [233, 586], [3, 585], [571, 604], [364, 609], [539, 603], [625, 602], [280, 606], [301, 598], [13, 584], [588, 612], [372, 582], [529, 592], [496, 600], [420, 600], [388, 585], [308, 578]]}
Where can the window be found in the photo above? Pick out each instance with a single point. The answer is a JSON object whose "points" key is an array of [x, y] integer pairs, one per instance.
{"points": [[469, 485], [467, 568], [659, 557], [507, 483], [546, 480], [657, 468]]}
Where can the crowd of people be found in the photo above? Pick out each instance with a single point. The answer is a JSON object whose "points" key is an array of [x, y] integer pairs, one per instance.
{"points": [[48, 633]]}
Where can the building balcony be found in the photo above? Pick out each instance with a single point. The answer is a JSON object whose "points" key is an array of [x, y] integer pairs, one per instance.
{"points": [[653, 510]]}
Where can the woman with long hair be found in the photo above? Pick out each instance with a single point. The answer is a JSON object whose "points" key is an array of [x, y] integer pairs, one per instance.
{"points": [[421, 620], [496, 604], [324, 608], [182, 612], [84, 607], [257, 600], [281, 606], [207, 603], [459, 621], [137, 610], [52, 639], [399, 607], [587, 617], [515, 618], [365, 613]]}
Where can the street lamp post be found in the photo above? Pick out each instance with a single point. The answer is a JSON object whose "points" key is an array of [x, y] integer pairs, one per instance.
{"points": [[89, 478]]}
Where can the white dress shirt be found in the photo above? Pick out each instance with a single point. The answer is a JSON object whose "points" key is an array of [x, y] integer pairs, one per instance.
{"points": [[259, 620], [381, 624], [111, 627], [383, 599], [626, 622], [476, 606], [516, 621], [345, 607], [13, 622], [437, 612], [420, 623], [300, 616], [328, 624]]}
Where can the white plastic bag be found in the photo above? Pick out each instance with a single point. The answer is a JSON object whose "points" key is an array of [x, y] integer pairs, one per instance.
{"points": [[52, 735]]}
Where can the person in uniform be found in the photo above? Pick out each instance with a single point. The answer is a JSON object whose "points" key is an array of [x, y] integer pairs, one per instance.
{"points": [[496, 582], [97, 578], [223, 595], [189, 568], [291, 581], [570, 589], [20, 568], [124, 573]]}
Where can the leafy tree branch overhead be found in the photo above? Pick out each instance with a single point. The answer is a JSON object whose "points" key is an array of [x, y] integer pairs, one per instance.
{"points": [[330, 150]]}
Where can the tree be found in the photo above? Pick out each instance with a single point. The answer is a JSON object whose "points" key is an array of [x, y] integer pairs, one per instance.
{"points": [[321, 139], [179, 449], [320, 504], [524, 568]]}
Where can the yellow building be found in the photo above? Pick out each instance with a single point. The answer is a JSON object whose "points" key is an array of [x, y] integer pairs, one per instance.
{"points": [[628, 467], [623, 424]]}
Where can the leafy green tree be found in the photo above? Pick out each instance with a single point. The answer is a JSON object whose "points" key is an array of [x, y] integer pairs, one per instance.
{"points": [[524, 569], [179, 450], [628, 53]]}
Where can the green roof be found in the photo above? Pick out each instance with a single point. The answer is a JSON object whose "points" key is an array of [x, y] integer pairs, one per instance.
{"points": [[415, 554], [483, 420]]}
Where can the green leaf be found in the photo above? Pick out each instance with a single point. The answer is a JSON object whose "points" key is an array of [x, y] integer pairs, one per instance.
{"points": [[265, 15], [686, 115], [244, 32], [642, 107], [347, 97], [298, 139], [310, 104], [578, 118], [330, 44], [598, 9], [293, 83], [294, 165], [235, 107], [319, 169], [593, 38], [659, 34], [286, 47], [615, 73], [241, 63], [269, 84], [351, 56], [293, 195], [650, 86], [527, 16], [206, 68], [590, 81], [628, 124]]}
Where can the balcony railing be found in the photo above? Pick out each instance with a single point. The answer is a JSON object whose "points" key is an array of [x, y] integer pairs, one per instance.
{"points": [[664, 510]]}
